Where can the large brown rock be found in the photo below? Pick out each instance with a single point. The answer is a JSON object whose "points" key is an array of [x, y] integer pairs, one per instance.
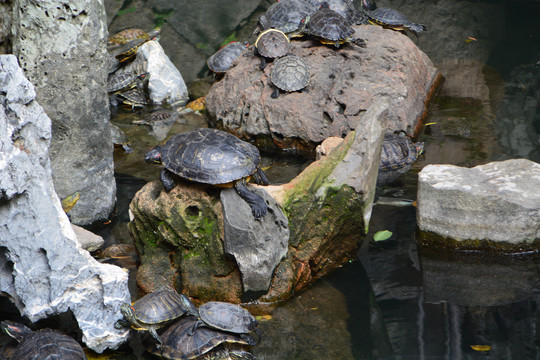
{"points": [[343, 84]]}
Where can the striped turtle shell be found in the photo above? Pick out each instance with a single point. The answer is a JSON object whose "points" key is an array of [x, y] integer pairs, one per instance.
{"points": [[158, 308], [210, 156], [398, 153], [329, 26]]}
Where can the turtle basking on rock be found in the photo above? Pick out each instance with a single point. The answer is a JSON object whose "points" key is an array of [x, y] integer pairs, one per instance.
{"points": [[390, 18], [289, 73], [215, 157]]}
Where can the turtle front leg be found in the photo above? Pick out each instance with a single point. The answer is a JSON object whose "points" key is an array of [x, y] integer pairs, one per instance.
{"points": [[258, 205], [359, 42], [167, 179]]}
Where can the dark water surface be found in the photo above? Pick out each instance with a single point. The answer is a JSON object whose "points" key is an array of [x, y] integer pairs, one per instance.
{"points": [[396, 301]]}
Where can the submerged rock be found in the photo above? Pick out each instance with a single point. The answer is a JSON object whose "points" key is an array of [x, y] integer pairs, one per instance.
{"points": [[488, 206], [181, 235], [343, 84], [43, 269]]}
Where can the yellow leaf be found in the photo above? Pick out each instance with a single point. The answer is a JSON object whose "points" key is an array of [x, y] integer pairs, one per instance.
{"points": [[431, 123], [263, 317], [481, 347]]}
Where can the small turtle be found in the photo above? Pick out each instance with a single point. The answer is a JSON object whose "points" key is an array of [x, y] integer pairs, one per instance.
{"points": [[214, 157], [390, 18], [153, 311], [289, 73], [45, 344], [129, 50], [222, 60], [126, 35], [204, 343], [329, 27], [119, 138], [286, 15], [226, 317], [271, 44], [344, 8], [132, 97], [398, 153], [124, 80]]}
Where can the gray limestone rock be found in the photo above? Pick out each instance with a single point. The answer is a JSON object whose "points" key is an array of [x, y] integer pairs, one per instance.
{"points": [[62, 49], [257, 246], [88, 240], [165, 83], [499, 201], [43, 269]]}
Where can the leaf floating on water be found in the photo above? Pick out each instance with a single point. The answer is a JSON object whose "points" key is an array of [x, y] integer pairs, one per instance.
{"points": [[470, 39], [263, 317], [430, 123], [481, 347], [382, 235]]}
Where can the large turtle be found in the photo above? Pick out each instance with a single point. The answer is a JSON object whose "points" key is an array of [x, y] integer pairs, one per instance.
{"points": [[214, 157], [226, 317], [271, 44], [289, 73], [398, 153], [154, 311], [329, 27], [45, 344], [286, 15], [222, 60], [204, 343], [390, 18]]}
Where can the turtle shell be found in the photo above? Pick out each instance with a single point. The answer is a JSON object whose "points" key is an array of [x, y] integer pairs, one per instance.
{"points": [[179, 344], [159, 307], [327, 24], [210, 156], [121, 81], [42, 344], [127, 35], [273, 43], [227, 317], [222, 60], [393, 18], [287, 15], [133, 97], [344, 8], [290, 73]]}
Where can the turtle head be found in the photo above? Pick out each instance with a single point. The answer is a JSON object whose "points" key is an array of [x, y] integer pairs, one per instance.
{"points": [[189, 306], [154, 155], [15, 330], [128, 311]]}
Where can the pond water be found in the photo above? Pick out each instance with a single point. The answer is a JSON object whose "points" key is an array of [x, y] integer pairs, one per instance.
{"points": [[396, 301]]}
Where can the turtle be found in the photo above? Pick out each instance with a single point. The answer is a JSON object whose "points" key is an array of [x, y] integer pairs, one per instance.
{"points": [[154, 311], [124, 80], [329, 27], [289, 73], [45, 344], [286, 15], [204, 343], [271, 44], [129, 50], [126, 35], [398, 153], [132, 97], [226, 317], [119, 138], [390, 18], [215, 157], [344, 8], [222, 60]]}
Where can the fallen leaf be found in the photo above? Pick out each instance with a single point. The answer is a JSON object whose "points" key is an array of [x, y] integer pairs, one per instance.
{"points": [[481, 347], [382, 235]]}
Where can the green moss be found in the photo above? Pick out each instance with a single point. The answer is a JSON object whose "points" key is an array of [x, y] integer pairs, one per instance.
{"points": [[161, 15], [433, 240]]}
